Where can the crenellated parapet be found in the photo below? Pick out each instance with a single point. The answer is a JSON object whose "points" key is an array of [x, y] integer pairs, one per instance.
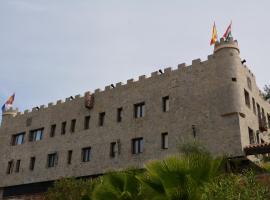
{"points": [[223, 44], [48, 106], [181, 68]]}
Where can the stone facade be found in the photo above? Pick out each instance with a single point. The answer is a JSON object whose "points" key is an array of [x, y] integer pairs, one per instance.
{"points": [[206, 101]]}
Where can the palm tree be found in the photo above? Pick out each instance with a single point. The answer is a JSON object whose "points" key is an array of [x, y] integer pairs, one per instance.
{"points": [[119, 186], [180, 177]]}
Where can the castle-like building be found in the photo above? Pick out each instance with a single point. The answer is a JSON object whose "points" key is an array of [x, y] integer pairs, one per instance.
{"points": [[215, 101]]}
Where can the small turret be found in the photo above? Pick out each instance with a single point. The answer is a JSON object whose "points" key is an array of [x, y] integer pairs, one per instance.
{"points": [[225, 44], [9, 113]]}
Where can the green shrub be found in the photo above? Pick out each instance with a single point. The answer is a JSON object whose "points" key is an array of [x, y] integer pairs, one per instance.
{"points": [[236, 187], [71, 189]]}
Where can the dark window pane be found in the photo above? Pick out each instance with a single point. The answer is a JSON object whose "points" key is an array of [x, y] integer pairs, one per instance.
{"points": [[86, 122], [63, 128], [86, 154], [113, 149], [164, 141], [32, 163], [17, 139], [165, 104], [36, 135], [247, 99], [53, 128], [73, 125], [139, 110], [69, 158], [137, 145], [17, 168], [251, 136], [52, 160], [119, 114], [101, 118], [10, 167]]}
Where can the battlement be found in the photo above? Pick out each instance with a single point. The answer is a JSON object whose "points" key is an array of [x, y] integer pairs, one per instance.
{"points": [[156, 74], [231, 43], [181, 68], [11, 111], [49, 105]]}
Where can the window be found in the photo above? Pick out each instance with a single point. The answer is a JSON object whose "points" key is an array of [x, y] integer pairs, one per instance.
{"points": [[10, 167], [258, 137], [137, 145], [263, 114], [52, 160], [254, 105], [36, 135], [251, 136], [113, 149], [268, 118], [249, 83], [259, 111], [53, 128], [69, 157], [86, 122], [165, 104], [86, 154], [73, 125], [139, 110], [234, 79], [119, 114], [17, 139], [101, 118], [63, 128], [247, 99], [32, 163], [164, 141], [17, 168]]}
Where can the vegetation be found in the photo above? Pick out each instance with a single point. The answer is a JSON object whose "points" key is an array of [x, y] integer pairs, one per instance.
{"points": [[266, 94], [236, 187], [119, 186], [192, 175], [72, 189]]}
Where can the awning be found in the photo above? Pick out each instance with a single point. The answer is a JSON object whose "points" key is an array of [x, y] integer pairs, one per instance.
{"points": [[255, 149]]}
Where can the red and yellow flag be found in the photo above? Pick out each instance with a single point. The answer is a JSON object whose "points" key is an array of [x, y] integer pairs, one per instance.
{"points": [[10, 99], [214, 35], [228, 32]]}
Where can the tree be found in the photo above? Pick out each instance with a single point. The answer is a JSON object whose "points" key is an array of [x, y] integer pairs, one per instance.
{"points": [[119, 186], [266, 94], [181, 176]]}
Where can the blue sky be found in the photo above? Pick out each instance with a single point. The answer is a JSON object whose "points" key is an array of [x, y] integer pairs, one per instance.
{"points": [[52, 49]]}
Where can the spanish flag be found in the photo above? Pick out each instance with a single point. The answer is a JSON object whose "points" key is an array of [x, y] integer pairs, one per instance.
{"points": [[8, 103], [214, 35]]}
